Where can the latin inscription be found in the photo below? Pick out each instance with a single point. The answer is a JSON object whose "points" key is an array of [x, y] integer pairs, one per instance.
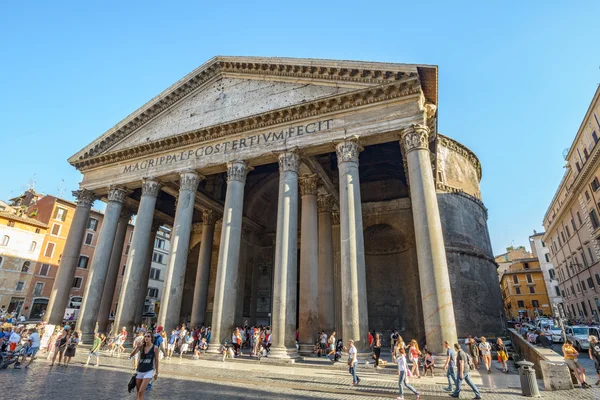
{"points": [[231, 145]]}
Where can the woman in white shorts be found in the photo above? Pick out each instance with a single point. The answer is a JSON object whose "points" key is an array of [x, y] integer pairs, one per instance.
{"points": [[486, 352], [147, 366]]}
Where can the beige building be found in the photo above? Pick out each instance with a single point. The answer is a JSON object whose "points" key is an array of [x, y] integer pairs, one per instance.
{"points": [[513, 253], [572, 221], [21, 241]]}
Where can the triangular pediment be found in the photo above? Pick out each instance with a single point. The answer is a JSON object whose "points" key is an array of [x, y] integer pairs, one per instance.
{"points": [[226, 99], [232, 88]]}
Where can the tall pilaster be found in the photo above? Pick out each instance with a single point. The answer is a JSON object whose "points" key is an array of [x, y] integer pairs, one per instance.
{"points": [[436, 295], [61, 290], [141, 300], [92, 297], [286, 247], [229, 253], [203, 272], [170, 306], [133, 281], [355, 320], [326, 285], [309, 265], [114, 266], [337, 273]]}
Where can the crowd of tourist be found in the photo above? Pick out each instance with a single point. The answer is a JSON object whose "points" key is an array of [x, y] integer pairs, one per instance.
{"points": [[151, 344]]}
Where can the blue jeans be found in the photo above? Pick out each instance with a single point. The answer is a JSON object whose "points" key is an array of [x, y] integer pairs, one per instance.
{"points": [[352, 370], [467, 378], [451, 375], [402, 380]]}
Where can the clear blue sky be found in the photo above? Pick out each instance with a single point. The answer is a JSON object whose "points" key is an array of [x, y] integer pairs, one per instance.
{"points": [[514, 80]]}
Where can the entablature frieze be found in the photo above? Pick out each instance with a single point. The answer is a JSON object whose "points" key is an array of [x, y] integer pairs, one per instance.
{"points": [[312, 137]]}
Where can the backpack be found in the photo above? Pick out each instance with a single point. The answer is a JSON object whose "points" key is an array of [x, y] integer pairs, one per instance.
{"points": [[470, 361]]}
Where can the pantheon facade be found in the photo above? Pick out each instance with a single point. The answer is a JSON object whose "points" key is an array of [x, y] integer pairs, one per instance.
{"points": [[301, 194]]}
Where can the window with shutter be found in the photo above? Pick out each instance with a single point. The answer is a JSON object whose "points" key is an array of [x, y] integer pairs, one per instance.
{"points": [[49, 250], [55, 230]]}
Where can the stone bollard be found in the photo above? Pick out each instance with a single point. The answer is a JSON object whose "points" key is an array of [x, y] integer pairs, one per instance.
{"points": [[556, 375]]}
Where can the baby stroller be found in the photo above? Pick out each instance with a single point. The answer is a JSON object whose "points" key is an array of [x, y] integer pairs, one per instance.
{"points": [[12, 357]]}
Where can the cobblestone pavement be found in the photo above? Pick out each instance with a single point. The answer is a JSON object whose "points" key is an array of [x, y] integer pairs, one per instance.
{"points": [[240, 379]]}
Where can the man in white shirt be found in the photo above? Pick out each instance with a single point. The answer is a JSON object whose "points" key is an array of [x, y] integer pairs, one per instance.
{"points": [[323, 344], [34, 346]]}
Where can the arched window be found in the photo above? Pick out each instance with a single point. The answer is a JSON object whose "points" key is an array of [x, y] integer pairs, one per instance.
{"points": [[5, 240], [25, 267], [33, 246], [1, 261]]}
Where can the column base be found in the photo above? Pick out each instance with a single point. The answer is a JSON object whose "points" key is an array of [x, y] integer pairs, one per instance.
{"points": [[306, 349], [87, 338], [283, 354]]}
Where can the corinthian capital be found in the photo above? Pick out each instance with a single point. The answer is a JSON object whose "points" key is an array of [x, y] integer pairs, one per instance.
{"points": [[117, 194], [348, 151], [308, 185], [85, 198], [335, 218], [150, 187], [190, 181], [324, 203], [415, 137], [237, 171], [289, 161], [209, 217]]}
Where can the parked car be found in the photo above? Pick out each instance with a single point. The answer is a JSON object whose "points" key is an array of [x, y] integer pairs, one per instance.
{"points": [[579, 335], [555, 330]]}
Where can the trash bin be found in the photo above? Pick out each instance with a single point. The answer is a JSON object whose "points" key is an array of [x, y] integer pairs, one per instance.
{"points": [[529, 385]]}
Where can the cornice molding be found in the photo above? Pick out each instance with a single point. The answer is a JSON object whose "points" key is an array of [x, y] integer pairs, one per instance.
{"points": [[409, 86], [442, 187], [472, 253], [462, 150]]}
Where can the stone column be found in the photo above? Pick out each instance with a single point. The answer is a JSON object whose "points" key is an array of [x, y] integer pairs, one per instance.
{"points": [[283, 320], [139, 311], [436, 294], [355, 320], [134, 270], [114, 266], [170, 306], [308, 320], [337, 273], [229, 254], [326, 283], [88, 315], [241, 281], [61, 290], [203, 272]]}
